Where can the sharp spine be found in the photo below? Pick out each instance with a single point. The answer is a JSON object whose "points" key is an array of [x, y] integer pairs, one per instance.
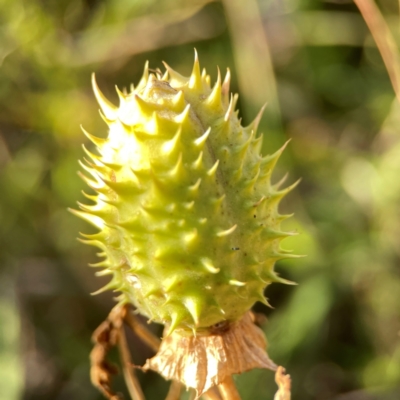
{"points": [[208, 265], [253, 126], [144, 107], [235, 282], [183, 116], [214, 100], [99, 142], [211, 172], [225, 89], [230, 109], [94, 157], [143, 81], [226, 232], [121, 96], [194, 306], [198, 163], [109, 109], [194, 189], [199, 142], [172, 145], [176, 77], [195, 81], [179, 100]]}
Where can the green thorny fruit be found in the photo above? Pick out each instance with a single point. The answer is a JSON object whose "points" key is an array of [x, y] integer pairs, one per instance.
{"points": [[188, 217]]}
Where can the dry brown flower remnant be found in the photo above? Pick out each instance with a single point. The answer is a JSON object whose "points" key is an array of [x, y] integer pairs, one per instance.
{"points": [[204, 363]]}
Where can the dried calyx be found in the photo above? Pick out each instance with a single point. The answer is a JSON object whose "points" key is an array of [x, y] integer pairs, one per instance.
{"points": [[201, 362]]}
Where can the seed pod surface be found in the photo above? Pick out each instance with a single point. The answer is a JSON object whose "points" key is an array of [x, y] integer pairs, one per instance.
{"points": [[188, 219]]}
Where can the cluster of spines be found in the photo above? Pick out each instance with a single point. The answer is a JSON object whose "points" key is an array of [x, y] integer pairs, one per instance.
{"points": [[188, 186]]}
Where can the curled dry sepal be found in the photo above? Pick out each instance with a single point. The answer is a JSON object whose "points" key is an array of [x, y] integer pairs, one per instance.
{"points": [[104, 338], [284, 383], [203, 361], [187, 215]]}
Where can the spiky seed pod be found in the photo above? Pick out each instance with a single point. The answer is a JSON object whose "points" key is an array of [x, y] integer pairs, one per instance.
{"points": [[187, 216]]}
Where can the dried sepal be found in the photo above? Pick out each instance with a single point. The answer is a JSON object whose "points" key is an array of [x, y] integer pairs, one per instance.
{"points": [[203, 361], [284, 384]]}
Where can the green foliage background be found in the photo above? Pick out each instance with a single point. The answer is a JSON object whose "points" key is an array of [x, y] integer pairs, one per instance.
{"points": [[338, 331]]}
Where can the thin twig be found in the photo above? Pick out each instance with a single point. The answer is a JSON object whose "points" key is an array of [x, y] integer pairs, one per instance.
{"points": [[211, 394], [151, 340], [174, 392], [131, 380], [228, 390], [383, 39]]}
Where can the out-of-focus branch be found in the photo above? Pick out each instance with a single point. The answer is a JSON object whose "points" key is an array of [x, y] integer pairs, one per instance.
{"points": [[143, 34], [131, 380], [252, 57], [383, 39]]}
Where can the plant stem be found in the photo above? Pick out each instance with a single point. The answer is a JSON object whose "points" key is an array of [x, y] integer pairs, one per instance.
{"points": [[228, 390], [384, 40], [174, 392], [211, 394], [131, 380], [144, 334]]}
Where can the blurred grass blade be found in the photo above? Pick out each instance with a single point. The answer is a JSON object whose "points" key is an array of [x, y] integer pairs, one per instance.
{"points": [[383, 39], [253, 59]]}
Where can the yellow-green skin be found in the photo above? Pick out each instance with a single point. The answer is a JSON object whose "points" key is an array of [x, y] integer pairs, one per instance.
{"points": [[187, 216]]}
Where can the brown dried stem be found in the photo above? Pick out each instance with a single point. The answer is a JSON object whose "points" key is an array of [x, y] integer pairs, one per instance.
{"points": [[228, 389], [383, 39], [212, 394], [144, 334], [131, 380], [109, 334], [175, 390]]}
